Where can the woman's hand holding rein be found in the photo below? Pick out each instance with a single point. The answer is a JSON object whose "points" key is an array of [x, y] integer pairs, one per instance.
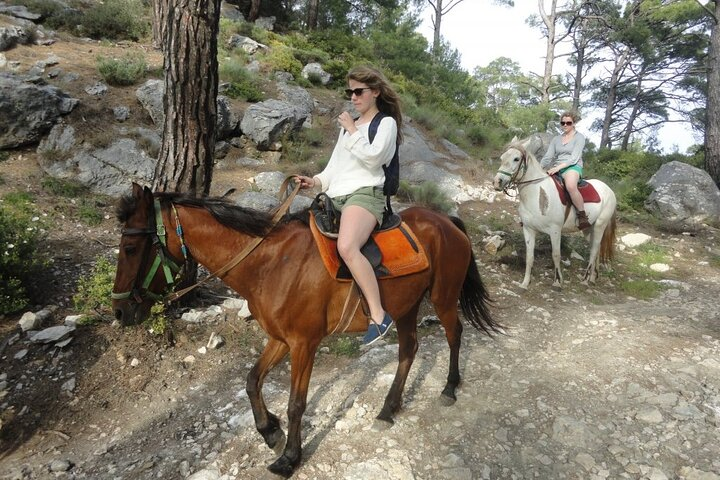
{"points": [[305, 182]]}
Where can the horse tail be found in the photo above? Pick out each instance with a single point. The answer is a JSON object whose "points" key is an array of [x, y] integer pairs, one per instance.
{"points": [[474, 298], [607, 244]]}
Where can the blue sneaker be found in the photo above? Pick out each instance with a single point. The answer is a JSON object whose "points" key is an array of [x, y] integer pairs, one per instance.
{"points": [[375, 332]]}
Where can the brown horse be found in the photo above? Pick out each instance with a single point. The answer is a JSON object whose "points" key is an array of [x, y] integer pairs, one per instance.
{"points": [[289, 291]]}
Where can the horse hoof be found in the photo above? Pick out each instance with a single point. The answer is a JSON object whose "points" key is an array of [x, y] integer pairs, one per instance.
{"points": [[381, 425], [447, 400], [283, 466]]}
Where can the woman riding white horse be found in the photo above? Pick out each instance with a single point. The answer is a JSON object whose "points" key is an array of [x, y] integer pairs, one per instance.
{"points": [[541, 210]]}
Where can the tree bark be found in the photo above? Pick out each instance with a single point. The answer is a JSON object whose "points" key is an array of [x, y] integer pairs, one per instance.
{"points": [[254, 11], [159, 8], [550, 23], [634, 113], [620, 64], [437, 22], [712, 121], [312, 14], [186, 155]]}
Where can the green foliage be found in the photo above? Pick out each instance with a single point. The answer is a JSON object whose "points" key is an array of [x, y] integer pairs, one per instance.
{"points": [[427, 194], [300, 146], [4, 155], [63, 187], [20, 258], [116, 20], [280, 58], [343, 345], [93, 291], [157, 323], [128, 70], [642, 289], [89, 213], [242, 83]]}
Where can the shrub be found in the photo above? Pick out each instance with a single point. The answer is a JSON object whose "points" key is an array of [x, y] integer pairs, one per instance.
{"points": [[62, 187], [93, 292], [116, 20], [122, 71], [243, 84], [281, 59], [20, 259], [427, 194]]}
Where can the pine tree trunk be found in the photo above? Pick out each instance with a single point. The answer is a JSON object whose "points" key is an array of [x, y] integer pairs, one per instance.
{"points": [[437, 22], [712, 125], [185, 162], [312, 14], [254, 11]]}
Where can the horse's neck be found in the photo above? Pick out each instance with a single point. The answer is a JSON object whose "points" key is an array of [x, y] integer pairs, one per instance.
{"points": [[534, 170], [208, 242]]}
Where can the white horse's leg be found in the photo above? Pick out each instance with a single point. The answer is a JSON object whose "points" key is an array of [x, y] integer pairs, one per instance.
{"points": [[529, 255], [555, 237], [595, 238]]}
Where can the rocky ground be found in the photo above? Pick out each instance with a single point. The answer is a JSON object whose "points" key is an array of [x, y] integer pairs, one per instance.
{"points": [[586, 384]]}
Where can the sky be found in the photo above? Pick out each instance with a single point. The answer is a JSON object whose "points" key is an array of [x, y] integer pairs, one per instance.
{"points": [[482, 31]]}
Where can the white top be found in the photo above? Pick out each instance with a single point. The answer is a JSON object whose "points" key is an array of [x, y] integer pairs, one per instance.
{"points": [[357, 163]]}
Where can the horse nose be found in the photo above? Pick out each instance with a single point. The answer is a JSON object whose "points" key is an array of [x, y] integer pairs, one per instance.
{"points": [[497, 182]]}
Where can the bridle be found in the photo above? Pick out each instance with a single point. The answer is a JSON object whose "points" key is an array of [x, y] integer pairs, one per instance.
{"points": [[170, 266], [519, 172]]}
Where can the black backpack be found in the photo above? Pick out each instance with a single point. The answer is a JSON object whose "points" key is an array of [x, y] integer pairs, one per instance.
{"points": [[392, 171]]}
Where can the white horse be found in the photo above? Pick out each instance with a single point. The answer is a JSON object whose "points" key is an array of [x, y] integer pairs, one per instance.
{"points": [[541, 210]]}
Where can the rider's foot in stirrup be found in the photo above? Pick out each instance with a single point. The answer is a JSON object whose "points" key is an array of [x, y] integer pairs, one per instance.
{"points": [[377, 331]]}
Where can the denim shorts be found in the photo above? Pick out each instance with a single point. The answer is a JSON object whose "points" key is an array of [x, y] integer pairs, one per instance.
{"points": [[369, 198]]}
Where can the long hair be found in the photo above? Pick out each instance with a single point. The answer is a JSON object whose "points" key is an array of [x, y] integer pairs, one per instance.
{"points": [[388, 101]]}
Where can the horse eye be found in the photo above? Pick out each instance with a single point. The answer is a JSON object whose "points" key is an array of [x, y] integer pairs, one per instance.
{"points": [[130, 249], [517, 159]]}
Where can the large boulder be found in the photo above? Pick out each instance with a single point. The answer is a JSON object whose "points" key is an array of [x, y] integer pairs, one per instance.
{"points": [[14, 31], [683, 193], [109, 171], [29, 111], [265, 123]]}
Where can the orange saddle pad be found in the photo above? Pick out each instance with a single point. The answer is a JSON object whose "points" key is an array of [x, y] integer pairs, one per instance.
{"points": [[400, 253], [588, 192]]}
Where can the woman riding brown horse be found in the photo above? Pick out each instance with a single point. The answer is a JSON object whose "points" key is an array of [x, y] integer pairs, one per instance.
{"points": [[289, 291]]}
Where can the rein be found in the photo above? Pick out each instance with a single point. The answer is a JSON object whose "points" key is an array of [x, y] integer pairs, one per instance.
{"points": [[156, 230], [281, 210], [519, 173]]}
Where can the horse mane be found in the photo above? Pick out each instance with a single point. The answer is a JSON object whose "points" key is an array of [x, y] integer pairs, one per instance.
{"points": [[247, 220], [125, 208]]}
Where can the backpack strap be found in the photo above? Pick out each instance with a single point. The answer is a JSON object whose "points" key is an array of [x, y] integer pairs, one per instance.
{"points": [[372, 130]]}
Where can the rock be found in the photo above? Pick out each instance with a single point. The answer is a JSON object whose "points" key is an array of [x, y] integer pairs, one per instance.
{"points": [[633, 240], [29, 111], [96, 89], [683, 193], [60, 465], [29, 321], [216, 341], [314, 71], [52, 334], [494, 244], [121, 113]]}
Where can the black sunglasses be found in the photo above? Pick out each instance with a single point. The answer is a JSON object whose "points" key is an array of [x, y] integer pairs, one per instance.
{"points": [[356, 91], [566, 123]]}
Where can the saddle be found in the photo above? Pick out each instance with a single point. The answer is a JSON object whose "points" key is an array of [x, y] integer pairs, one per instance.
{"points": [[588, 192], [393, 250]]}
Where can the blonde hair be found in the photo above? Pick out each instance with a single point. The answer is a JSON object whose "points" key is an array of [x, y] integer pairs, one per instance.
{"points": [[388, 101]]}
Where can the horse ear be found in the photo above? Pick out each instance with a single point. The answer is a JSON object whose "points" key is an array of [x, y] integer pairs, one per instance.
{"points": [[515, 139], [136, 190]]}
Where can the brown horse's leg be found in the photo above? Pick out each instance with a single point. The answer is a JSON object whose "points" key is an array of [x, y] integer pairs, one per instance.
{"points": [[453, 333], [408, 345], [266, 423], [302, 356]]}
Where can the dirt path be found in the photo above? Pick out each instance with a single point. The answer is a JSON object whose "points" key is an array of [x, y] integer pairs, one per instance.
{"points": [[578, 389]]}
